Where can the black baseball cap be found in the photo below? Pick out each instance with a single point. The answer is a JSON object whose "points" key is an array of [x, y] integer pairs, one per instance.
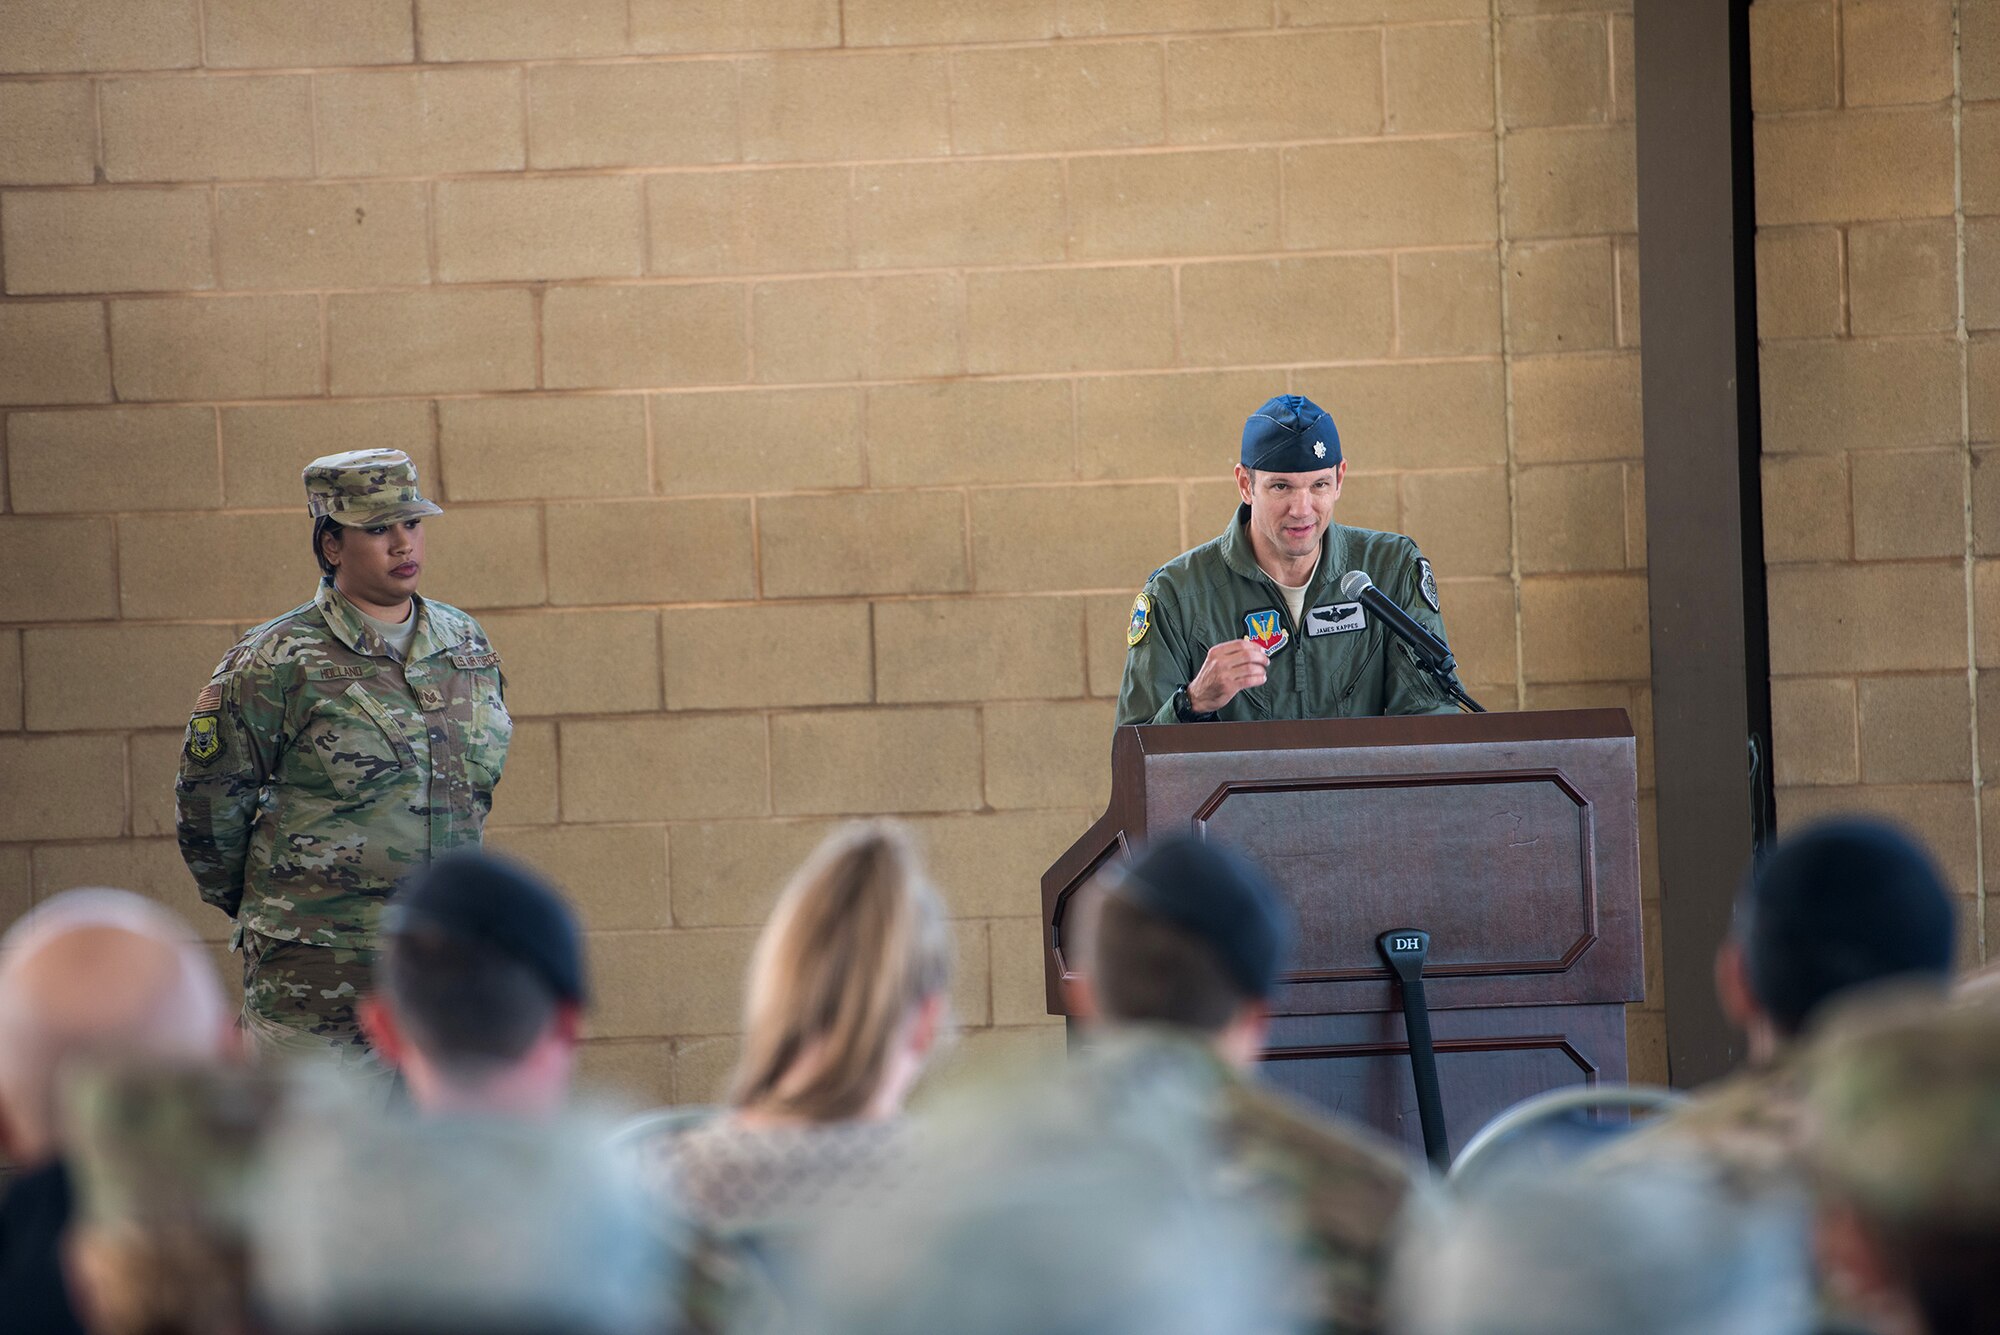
{"points": [[1219, 896], [482, 897]]}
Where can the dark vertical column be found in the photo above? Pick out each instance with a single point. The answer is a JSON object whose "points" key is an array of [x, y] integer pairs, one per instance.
{"points": [[1704, 520]]}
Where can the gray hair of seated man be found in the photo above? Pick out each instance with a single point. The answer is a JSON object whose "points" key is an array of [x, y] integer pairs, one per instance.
{"points": [[1665, 1249]]}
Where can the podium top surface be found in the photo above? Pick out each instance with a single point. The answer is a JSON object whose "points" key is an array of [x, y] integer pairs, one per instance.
{"points": [[1398, 730]]}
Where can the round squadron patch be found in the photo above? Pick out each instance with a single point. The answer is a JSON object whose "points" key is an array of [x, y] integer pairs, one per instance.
{"points": [[1142, 620], [1428, 585]]}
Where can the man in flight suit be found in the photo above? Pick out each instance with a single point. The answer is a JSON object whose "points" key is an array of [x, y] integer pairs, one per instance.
{"points": [[1252, 624]]}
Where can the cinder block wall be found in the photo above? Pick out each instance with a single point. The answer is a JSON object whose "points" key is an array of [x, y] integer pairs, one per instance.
{"points": [[810, 386], [1878, 270]]}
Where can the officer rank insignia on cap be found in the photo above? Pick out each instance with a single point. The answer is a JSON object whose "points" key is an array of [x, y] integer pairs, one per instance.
{"points": [[1428, 584], [1142, 620], [1267, 629], [1335, 619]]}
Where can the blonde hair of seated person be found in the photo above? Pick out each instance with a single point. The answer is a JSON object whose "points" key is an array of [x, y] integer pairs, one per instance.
{"points": [[847, 984]]}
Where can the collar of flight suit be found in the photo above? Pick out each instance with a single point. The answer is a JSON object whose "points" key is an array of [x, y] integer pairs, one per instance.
{"points": [[1238, 555], [345, 621]]}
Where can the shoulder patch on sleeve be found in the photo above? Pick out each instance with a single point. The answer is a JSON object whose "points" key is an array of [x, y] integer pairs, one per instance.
{"points": [[1142, 620], [1427, 584], [210, 698]]}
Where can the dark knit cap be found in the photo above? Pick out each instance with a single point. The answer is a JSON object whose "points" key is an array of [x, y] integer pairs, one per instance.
{"points": [[480, 897], [1222, 898], [1290, 434], [1840, 904]]}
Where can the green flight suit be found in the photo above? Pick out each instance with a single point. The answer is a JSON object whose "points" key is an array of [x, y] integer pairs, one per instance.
{"points": [[1340, 664]]}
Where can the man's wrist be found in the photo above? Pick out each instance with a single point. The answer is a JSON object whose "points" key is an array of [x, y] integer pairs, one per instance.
{"points": [[1185, 711]]}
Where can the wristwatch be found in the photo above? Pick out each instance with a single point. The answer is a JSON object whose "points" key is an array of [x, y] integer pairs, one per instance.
{"points": [[1184, 708]]}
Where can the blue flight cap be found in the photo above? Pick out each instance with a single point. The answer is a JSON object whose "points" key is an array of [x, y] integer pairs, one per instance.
{"points": [[1290, 434], [1220, 897]]}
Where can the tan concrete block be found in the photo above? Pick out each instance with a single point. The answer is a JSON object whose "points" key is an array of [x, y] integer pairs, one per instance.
{"points": [[1018, 993], [1482, 624], [991, 864], [113, 459], [1283, 86], [519, 29], [1979, 52], [57, 569], [1896, 51], [1367, 500], [821, 546], [971, 975], [17, 892], [1570, 409], [1799, 282], [947, 649], [1463, 422], [539, 228], [1854, 166], [1985, 502], [1624, 70], [801, 654], [969, 431], [1942, 817], [1909, 504], [1049, 754], [926, 214], [809, 106], [248, 566], [1572, 517], [614, 875], [65, 787], [501, 449], [215, 347], [626, 1073], [1039, 98], [206, 129], [1826, 619], [1915, 729], [1988, 705], [703, 1066], [414, 342], [1313, 13], [348, 235], [1807, 516], [1635, 516], [723, 442], [1555, 71], [148, 867], [43, 35], [1628, 292], [1287, 310], [1165, 425], [265, 446], [1859, 394], [673, 767], [927, 22], [1982, 273], [1209, 508], [1903, 277], [1562, 296], [783, 220], [1438, 78], [1584, 628], [657, 114], [1420, 192], [54, 352], [420, 123], [730, 873], [484, 556], [528, 793], [1100, 537], [106, 240], [1447, 303], [1211, 202], [1069, 319], [314, 32], [1794, 56], [904, 327], [867, 761], [154, 759], [82, 677], [1815, 731], [48, 133], [735, 25], [1462, 520], [1107, 617], [12, 704], [1979, 154], [653, 984], [578, 662], [1986, 612], [1570, 182], [639, 337], [1982, 373], [651, 552]]}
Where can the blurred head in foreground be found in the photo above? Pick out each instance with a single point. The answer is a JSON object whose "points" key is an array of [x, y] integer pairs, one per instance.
{"points": [[1839, 905], [1664, 1250], [480, 988], [384, 1225], [1903, 1104], [848, 985]]}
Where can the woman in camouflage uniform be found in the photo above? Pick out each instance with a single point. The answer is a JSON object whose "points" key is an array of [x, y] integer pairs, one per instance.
{"points": [[336, 747]]}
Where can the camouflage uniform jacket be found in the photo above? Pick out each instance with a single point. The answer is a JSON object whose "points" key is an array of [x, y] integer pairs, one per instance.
{"points": [[318, 769], [1341, 664], [1749, 1126]]}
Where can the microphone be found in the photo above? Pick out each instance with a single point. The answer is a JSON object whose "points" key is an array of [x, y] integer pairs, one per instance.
{"points": [[1434, 653]]}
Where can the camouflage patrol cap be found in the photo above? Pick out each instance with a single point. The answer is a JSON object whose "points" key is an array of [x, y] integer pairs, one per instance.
{"points": [[364, 488]]}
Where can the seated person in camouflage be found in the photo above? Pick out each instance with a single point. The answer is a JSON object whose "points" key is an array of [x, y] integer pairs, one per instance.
{"points": [[1185, 947], [335, 749], [1252, 624]]}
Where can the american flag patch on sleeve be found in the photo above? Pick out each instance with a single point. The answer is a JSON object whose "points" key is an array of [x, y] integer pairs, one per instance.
{"points": [[209, 700]]}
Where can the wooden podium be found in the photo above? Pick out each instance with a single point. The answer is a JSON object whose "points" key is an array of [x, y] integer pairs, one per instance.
{"points": [[1512, 838]]}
